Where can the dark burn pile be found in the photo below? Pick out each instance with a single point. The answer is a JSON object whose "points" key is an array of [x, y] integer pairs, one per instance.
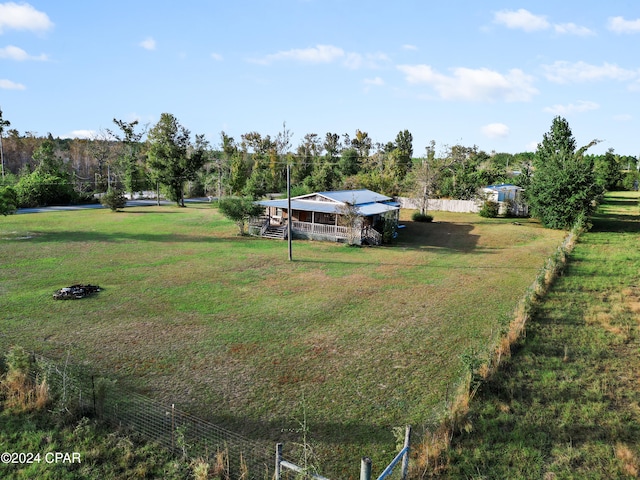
{"points": [[75, 291]]}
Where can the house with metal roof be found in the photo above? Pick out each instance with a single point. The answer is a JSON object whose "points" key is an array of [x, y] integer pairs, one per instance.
{"points": [[356, 216], [509, 197]]}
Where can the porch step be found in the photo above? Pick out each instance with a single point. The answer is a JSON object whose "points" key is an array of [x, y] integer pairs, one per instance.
{"points": [[275, 232]]}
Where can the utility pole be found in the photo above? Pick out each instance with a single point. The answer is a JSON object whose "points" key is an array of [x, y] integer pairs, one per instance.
{"points": [[3, 123], [289, 209], [1, 154]]}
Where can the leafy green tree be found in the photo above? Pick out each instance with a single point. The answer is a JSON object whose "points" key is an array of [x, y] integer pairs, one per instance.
{"points": [[100, 151], [323, 178], [238, 172], [402, 154], [307, 155], [171, 156], [362, 143], [257, 184], [349, 163], [129, 155], [239, 210], [266, 173], [8, 201], [563, 186], [466, 172], [40, 188], [630, 180], [426, 177], [220, 175], [49, 183], [47, 161], [607, 170]]}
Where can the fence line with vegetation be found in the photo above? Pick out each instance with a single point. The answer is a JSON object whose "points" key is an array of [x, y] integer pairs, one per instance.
{"points": [[187, 436]]}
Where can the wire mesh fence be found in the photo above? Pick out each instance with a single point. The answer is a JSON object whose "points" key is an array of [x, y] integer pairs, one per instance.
{"points": [[75, 389]]}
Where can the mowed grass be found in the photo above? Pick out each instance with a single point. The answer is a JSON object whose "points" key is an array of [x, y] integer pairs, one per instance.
{"points": [[357, 340], [567, 404]]}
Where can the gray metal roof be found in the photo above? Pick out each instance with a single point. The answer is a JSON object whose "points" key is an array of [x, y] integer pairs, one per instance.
{"points": [[372, 207], [503, 187], [354, 197], [305, 205]]}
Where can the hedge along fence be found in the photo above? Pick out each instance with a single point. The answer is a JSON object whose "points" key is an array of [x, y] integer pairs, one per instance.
{"points": [[429, 454]]}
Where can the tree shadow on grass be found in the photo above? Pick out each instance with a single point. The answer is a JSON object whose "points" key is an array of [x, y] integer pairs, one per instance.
{"points": [[437, 236], [622, 218], [85, 236]]}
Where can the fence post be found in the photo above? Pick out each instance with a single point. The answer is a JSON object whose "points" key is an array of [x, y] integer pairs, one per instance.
{"points": [[173, 426], [93, 391], [278, 460], [405, 460], [365, 468]]}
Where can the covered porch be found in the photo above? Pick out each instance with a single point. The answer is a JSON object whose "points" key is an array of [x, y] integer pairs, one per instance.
{"points": [[353, 216], [316, 226]]}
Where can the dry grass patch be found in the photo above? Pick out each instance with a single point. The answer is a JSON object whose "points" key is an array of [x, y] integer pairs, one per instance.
{"points": [[628, 458]]}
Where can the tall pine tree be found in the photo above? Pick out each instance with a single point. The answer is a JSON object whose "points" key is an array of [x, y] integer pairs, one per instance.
{"points": [[563, 186]]}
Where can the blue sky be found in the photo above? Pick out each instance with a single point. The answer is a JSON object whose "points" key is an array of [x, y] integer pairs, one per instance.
{"points": [[491, 73]]}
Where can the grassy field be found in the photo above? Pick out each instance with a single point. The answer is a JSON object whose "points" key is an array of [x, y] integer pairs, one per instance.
{"points": [[103, 454], [357, 340], [567, 404]]}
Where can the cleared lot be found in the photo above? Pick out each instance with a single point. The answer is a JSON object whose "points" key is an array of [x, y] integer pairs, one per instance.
{"points": [[357, 340]]}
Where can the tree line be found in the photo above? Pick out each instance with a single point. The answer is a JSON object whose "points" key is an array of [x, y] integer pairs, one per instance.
{"points": [[133, 158]]}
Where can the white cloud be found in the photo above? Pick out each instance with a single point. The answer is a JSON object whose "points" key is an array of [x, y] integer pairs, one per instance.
{"points": [[355, 61], [495, 130], [325, 54], [217, 57], [566, 72], [81, 134], [572, 29], [532, 146], [623, 117], [148, 43], [23, 17], [376, 82], [15, 53], [317, 54], [620, 25], [473, 84], [9, 85], [407, 46], [579, 107], [521, 19], [525, 20]]}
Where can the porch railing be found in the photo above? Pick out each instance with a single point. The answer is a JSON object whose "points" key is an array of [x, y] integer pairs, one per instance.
{"points": [[373, 235], [320, 229]]}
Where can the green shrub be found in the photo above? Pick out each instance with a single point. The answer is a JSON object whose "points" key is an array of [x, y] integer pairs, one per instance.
{"points": [[8, 200], [114, 199], [489, 209], [40, 189], [630, 181], [239, 210], [421, 217]]}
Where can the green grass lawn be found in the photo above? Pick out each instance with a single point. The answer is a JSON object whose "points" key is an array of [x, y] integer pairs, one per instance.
{"points": [[567, 404], [358, 340]]}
